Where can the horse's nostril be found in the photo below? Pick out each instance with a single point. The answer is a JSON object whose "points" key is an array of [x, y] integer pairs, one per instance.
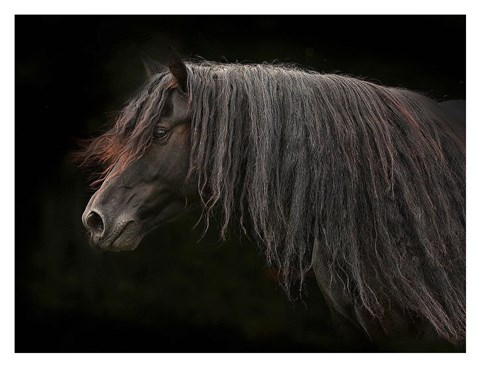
{"points": [[95, 223]]}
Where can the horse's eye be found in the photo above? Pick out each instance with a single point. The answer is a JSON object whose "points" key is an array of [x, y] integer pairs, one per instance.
{"points": [[160, 133]]}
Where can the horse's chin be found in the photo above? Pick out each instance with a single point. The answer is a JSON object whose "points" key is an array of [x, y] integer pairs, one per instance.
{"points": [[126, 239], [128, 244]]}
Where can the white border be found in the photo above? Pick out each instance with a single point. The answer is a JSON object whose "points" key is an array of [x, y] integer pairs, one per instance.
{"points": [[240, 7], [9, 8]]}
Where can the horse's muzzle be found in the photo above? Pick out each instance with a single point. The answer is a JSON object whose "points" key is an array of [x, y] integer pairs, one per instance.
{"points": [[117, 236]]}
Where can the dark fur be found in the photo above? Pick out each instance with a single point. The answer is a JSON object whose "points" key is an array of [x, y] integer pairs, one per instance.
{"points": [[372, 174]]}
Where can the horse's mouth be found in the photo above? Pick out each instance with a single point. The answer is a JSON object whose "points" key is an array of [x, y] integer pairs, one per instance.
{"points": [[124, 237]]}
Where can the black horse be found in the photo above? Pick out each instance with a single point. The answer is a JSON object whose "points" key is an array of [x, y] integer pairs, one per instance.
{"points": [[364, 184]]}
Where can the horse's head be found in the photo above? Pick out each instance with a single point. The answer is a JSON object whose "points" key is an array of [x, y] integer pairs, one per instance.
{"points": [[143, 188]]}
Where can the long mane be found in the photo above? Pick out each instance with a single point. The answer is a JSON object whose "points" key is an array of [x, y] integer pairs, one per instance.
{"points": [[370, 173]]}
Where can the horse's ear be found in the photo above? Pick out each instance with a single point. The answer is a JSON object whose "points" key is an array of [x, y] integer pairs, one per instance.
{"points": [[152, 67], [177, 68]]}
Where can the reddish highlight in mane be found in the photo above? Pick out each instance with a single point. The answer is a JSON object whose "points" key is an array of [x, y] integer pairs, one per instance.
{"points": [[111, 153], [108, 155]]}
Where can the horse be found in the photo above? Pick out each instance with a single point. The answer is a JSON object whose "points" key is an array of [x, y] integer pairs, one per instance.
{"points": [[362, 183]]}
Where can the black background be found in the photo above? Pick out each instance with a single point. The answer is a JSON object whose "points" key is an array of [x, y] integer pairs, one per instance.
{"points": [[175, 293]]}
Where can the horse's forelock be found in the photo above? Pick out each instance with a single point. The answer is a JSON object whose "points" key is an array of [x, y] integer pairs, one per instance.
{"points": [[130, 136]]}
